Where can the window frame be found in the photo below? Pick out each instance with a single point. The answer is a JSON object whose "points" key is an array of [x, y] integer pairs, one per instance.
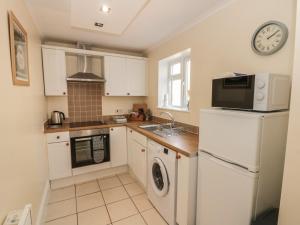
{"points": [[183, 76]]}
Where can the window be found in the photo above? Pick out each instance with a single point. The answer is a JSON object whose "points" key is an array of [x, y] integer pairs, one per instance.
{"points": [[174, 81]]}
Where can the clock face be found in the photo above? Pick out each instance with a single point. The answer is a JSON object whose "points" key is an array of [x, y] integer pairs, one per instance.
{"points": [[269, 38]]}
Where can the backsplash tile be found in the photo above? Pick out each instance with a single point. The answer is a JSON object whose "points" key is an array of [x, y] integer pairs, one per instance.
{"points": [[85, 101]]}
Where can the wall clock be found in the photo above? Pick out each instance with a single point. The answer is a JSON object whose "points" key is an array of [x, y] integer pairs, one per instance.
{"points": [[269, 38]]}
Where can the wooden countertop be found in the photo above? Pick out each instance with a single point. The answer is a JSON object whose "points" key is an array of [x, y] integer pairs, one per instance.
{"points": [[185, 143]]}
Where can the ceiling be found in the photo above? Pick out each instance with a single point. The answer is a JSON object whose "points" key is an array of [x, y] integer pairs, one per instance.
{"points": [[136, 25]]}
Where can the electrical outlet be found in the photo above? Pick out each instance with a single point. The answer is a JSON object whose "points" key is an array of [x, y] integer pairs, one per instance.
{"points": [[118, 111]]}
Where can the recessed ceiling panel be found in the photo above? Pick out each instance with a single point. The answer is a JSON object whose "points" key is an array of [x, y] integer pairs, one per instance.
{"points": [[114, 19]]}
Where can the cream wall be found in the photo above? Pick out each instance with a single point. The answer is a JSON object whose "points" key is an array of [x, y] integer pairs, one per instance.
{"points": [[122, 104], [23, 157], [290, 198], [57, 104], [221, 43]]}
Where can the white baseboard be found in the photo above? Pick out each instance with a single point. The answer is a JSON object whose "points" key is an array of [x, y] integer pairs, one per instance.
{"points": [[41, 216], [81, 178]]}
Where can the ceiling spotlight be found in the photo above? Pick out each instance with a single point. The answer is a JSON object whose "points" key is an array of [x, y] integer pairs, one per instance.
{"points": [[105, 9]]}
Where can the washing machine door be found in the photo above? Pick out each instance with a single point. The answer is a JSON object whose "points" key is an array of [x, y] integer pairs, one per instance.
{"points": [[159, 179]]}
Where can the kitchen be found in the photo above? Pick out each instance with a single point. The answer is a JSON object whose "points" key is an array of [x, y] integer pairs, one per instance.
{"points": [[203, 34]]}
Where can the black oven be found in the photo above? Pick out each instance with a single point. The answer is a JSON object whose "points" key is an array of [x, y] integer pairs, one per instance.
{"points": [[89, 147]]}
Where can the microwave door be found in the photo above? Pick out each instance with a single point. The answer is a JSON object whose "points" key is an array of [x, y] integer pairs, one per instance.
{"points": [[234, 92]]}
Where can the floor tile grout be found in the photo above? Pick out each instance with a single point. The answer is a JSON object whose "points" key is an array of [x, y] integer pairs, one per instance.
{"points": [[51, 203], [47, 221], [105, 204]]}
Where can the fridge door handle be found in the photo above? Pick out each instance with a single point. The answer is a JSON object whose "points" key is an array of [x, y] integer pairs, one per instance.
{"points": [[226, 163]]}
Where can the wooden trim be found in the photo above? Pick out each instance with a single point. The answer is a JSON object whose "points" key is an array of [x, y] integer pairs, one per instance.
{"points": [[13, 21]]}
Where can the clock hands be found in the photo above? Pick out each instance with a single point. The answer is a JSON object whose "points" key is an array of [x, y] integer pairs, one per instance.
{"points": [[273, 34]]}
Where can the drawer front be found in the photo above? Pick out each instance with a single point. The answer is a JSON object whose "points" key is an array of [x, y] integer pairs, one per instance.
{"points": [[136, 136], [141, 139], [58, 137]]}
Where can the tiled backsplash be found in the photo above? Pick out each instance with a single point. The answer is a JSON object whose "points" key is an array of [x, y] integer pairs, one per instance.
{"points": [[85, 101]]}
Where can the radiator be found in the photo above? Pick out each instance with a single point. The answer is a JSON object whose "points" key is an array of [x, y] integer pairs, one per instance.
{"points": [[19, 217]]}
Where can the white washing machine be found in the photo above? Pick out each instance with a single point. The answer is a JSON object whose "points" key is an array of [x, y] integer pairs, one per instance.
{"points": [[162, 180]]}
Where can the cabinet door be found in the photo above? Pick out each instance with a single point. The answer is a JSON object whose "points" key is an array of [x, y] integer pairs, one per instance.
{"points": [[141, 163], [136, 77], [115, 75], [130, 148], [118, 146], [54, 65], [59, 156]]}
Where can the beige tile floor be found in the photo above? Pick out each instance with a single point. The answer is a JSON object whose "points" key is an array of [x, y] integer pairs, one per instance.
{"points": [[117, 200]]}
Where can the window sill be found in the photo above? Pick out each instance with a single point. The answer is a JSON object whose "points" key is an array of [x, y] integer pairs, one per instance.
{"points": [[174, 109]]}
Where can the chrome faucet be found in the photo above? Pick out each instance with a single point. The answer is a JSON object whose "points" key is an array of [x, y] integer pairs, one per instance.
{"points": [[172, 125]]}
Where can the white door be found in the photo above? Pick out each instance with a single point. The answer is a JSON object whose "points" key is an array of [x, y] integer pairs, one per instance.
{"points": [[240, 132], [59, 156], [140, 163], [54, 65], [226, 193], [115, 75], [136, 77], [118, 146], [130, 148]]}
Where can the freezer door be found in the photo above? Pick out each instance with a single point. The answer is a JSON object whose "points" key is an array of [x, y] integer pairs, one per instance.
{"points": [[226, 193], [232, 135]]}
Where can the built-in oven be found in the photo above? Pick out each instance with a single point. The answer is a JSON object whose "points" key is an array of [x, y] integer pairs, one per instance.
{"points": [[89, 147]]}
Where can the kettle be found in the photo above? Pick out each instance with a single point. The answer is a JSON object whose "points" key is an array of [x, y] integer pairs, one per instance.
{"points": [[57, 118]]}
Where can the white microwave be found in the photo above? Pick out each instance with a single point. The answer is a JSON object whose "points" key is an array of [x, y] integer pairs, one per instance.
{"points": [[259, 92]]}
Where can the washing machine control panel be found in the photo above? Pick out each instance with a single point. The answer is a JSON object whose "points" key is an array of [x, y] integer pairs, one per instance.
{"points": [[166, 151]]}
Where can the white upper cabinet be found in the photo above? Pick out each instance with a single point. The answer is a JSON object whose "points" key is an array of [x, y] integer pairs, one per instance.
{"points": [[136, 77], [54, 63], [125, 76], [115, 76], [118, 146]]}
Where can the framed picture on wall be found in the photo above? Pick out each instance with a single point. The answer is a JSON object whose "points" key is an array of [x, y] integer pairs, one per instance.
{"points": [[18, 51]]}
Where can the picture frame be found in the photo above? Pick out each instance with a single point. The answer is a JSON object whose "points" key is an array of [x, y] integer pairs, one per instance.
{"points": [[18, 51]]}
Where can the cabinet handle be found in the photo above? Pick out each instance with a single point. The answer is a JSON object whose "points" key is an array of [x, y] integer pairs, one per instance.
{"points": [[143, 150], [67, 144], [178, 156], [57, 137], [107, 93], [112, 129], [128, 93], [130, 131], [64, 93]]}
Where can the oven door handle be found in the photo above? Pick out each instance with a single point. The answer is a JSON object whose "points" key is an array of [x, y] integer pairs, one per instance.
{"points": [[83, 139]]}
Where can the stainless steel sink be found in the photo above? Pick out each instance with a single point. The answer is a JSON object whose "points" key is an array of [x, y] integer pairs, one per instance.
{"points": [[164, 130], [150, 127]]}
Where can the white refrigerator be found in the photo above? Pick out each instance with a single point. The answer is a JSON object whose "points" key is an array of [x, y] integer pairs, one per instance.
{"points": [[241, 157]]}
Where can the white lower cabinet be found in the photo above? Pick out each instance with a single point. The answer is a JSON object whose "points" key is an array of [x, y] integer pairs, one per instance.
{"points": [[118, 146], [140, 162], [59, 156], [137, 155], [186, 190]]}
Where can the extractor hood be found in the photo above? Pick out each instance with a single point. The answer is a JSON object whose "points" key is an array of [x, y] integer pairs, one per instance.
{"points": [[85, 77], [87, 68]]}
